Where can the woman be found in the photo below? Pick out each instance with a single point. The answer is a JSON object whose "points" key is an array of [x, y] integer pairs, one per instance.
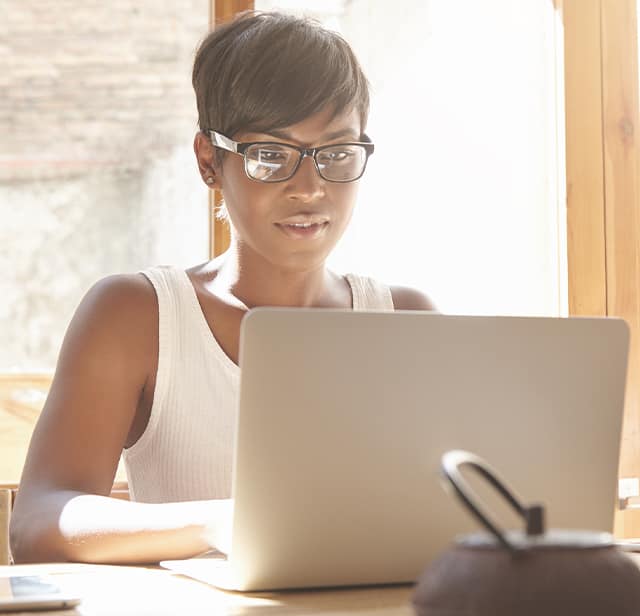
{"points": [[148, 366]]}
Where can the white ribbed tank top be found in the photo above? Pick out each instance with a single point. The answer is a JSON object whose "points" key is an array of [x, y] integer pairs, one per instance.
{"points": [[185, 452]]}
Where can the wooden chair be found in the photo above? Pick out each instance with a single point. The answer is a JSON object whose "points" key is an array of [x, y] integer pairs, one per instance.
{"points": [[7, 497], [7, 494]]}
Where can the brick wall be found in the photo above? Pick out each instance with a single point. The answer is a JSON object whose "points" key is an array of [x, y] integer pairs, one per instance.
{"points": [[97, 117], [94, 83]]}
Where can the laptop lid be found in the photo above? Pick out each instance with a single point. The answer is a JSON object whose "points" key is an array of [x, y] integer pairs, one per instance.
{"points": [[344, 417]]}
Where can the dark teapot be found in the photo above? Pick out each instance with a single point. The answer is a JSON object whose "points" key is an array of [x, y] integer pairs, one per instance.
{"points": [[524, 573]]}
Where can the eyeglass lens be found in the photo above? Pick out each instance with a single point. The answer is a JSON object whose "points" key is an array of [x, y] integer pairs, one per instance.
{"points": [[276, 162]]}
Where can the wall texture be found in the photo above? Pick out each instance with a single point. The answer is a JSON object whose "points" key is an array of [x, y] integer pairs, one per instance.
{"points": [[97, 175]]}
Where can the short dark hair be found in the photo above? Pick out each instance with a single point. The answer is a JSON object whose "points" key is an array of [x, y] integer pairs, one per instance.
{"points": [[267, 70]]}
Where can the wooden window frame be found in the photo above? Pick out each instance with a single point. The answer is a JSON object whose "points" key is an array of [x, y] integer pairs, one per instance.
{"points": [[603, 222], [221, 11]]}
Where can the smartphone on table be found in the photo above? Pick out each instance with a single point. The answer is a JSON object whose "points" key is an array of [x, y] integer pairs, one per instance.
{"points": [[33, 592]]}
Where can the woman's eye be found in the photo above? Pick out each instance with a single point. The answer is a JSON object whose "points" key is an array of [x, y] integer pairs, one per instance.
{"points": [[336, 156], [273, 156]]}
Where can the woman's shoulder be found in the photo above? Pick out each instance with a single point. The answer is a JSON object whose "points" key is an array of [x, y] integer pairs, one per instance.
{"points": [[403, 298], [114, 330], [408, 298], [127, 294], [120, 309]]}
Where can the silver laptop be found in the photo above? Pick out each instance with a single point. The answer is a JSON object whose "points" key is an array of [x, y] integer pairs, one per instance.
{"points": [[344, 417]]}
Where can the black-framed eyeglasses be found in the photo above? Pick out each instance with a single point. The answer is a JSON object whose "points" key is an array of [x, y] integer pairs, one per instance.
{"points": [[267, 161]]}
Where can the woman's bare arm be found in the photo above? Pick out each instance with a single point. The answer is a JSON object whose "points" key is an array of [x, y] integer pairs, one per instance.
{"points": [[75, 526], [62, 511]]}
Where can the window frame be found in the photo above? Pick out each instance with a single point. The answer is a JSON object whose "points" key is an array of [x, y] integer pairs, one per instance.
{"points": [[221, 11], [603, 222]]}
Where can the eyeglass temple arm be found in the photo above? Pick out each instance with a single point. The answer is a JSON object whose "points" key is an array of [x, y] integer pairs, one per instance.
{"points": [[223, 142]]}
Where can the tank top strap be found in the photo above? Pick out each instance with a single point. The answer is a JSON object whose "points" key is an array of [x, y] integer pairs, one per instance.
{"points": [[369, 294]]}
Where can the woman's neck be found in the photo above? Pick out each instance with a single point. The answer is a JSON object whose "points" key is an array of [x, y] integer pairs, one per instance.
{"points": [[253, 282]]}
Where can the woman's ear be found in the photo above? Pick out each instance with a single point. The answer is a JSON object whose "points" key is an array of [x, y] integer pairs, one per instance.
{"points": [[207, 160]]}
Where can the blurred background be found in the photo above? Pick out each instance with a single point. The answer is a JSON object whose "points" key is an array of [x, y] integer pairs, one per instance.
{"points": [[97, 173], [465, 197], [97, 118]]}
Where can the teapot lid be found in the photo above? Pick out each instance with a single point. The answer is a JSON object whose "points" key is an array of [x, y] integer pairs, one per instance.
{"points": [[533, 536], [551, 539]]}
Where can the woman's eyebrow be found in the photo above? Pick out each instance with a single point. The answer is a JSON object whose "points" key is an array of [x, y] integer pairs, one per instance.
{"points": [[345, 132]]}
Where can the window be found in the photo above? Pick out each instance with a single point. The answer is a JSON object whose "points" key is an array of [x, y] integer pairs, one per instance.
{"points": [[473, 211]]}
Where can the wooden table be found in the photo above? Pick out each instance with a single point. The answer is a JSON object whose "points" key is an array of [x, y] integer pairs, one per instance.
{"points": [[151, 591], [139, 591]]}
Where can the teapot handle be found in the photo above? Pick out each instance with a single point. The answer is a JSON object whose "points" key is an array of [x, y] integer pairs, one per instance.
{"points": [[532, 515]]}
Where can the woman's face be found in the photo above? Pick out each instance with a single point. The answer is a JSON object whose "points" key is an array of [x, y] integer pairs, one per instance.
{"points": [[271, 220]]}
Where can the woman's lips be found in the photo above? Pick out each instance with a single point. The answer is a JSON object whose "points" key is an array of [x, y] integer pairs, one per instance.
{"points": [[303, 231]]}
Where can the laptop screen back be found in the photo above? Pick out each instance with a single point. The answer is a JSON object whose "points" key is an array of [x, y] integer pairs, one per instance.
{"points": [[344, 417]]}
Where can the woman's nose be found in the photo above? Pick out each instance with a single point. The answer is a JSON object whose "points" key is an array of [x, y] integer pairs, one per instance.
{"points": [[306, 184]]}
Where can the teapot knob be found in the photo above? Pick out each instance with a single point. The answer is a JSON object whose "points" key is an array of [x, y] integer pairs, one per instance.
{"points": [[534, 520]]}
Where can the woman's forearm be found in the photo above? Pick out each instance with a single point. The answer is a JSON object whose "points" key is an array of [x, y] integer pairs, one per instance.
{"points": [[72, 526]]}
